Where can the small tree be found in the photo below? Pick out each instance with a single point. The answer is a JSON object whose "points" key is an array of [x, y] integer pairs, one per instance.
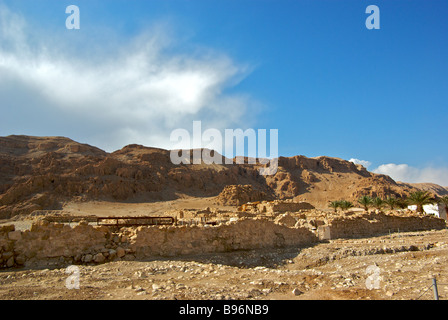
{"points": [[346, 205], [392, 202], [402, 203], [335, 205], [378, 203], [365, 201], [420, 198]]}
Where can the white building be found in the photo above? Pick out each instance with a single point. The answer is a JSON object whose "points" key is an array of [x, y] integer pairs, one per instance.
{"points": [[437, 209]]}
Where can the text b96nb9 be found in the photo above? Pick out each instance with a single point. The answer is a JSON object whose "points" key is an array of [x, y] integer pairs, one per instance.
{"points": [[246, 309]]}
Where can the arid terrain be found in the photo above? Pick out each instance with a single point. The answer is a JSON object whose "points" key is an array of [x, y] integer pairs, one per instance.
{"points": [[39, 173], [334, 270], [238, 235]]}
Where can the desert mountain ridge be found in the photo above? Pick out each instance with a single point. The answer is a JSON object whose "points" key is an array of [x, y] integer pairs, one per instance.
{"points": [[41, 172]]}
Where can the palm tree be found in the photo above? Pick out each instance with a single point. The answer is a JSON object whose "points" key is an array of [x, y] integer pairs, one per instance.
{"points": [[420, 198], [402, 203], [365, 201], [346, 205], [378, 203], [444, 200], [392, 202], [335, 205]]}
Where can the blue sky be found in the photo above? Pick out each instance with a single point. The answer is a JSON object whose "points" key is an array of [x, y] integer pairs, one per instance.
{"points": [[311, 69]]}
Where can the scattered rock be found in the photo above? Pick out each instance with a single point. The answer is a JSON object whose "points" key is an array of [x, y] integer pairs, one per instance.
{"points": [[141, 274], [156, 287], [297, 292]]}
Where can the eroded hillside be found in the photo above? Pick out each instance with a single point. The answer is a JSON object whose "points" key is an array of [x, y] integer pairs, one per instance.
{"points": [[42, 172]]}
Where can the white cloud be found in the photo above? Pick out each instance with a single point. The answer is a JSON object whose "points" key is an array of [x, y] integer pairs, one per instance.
{"points": [[406, 173], [137, 94], [364, 163]]}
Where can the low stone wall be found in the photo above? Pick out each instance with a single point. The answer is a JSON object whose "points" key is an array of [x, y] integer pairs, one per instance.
{"points": [[47, 241], [240, 235], [55, 243], [284, 206], [275, 207], [7, 235], [376, 224]]}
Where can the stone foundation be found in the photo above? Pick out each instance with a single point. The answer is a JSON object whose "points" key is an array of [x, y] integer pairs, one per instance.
{"points": [[275, 207], [54, 244], [371, 224]]}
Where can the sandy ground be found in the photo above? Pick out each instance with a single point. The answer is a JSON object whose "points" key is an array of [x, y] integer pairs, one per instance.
{"points": [[123, 209], [398, 266], [104, 208]]}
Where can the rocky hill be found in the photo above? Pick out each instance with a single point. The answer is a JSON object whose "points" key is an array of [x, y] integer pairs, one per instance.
{"points": [[42, 172], [431, 187]]}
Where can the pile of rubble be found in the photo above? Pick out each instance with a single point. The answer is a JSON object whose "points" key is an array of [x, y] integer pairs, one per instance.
{"points": [[275, 207], [236, 195]]}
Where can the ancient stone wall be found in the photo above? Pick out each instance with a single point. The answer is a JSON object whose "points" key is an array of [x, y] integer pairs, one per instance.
{"points": [[52, 244], [7, 235], [284, 206], [56, 243], [275, 207], [378, 223], [243, 234]]}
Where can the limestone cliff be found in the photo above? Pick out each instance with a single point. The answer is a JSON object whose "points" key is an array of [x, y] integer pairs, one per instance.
{"points": [[40, 172]]}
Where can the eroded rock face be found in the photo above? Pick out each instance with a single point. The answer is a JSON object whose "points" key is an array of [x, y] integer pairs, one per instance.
{"points": [[38, 173]]}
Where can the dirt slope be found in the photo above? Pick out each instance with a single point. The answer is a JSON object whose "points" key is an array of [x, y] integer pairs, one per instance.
{"points": [[431, 187]]}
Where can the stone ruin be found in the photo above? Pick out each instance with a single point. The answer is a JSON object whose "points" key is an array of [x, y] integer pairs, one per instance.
{"points": [[50, 243], [236, 195], [275, 207]]}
